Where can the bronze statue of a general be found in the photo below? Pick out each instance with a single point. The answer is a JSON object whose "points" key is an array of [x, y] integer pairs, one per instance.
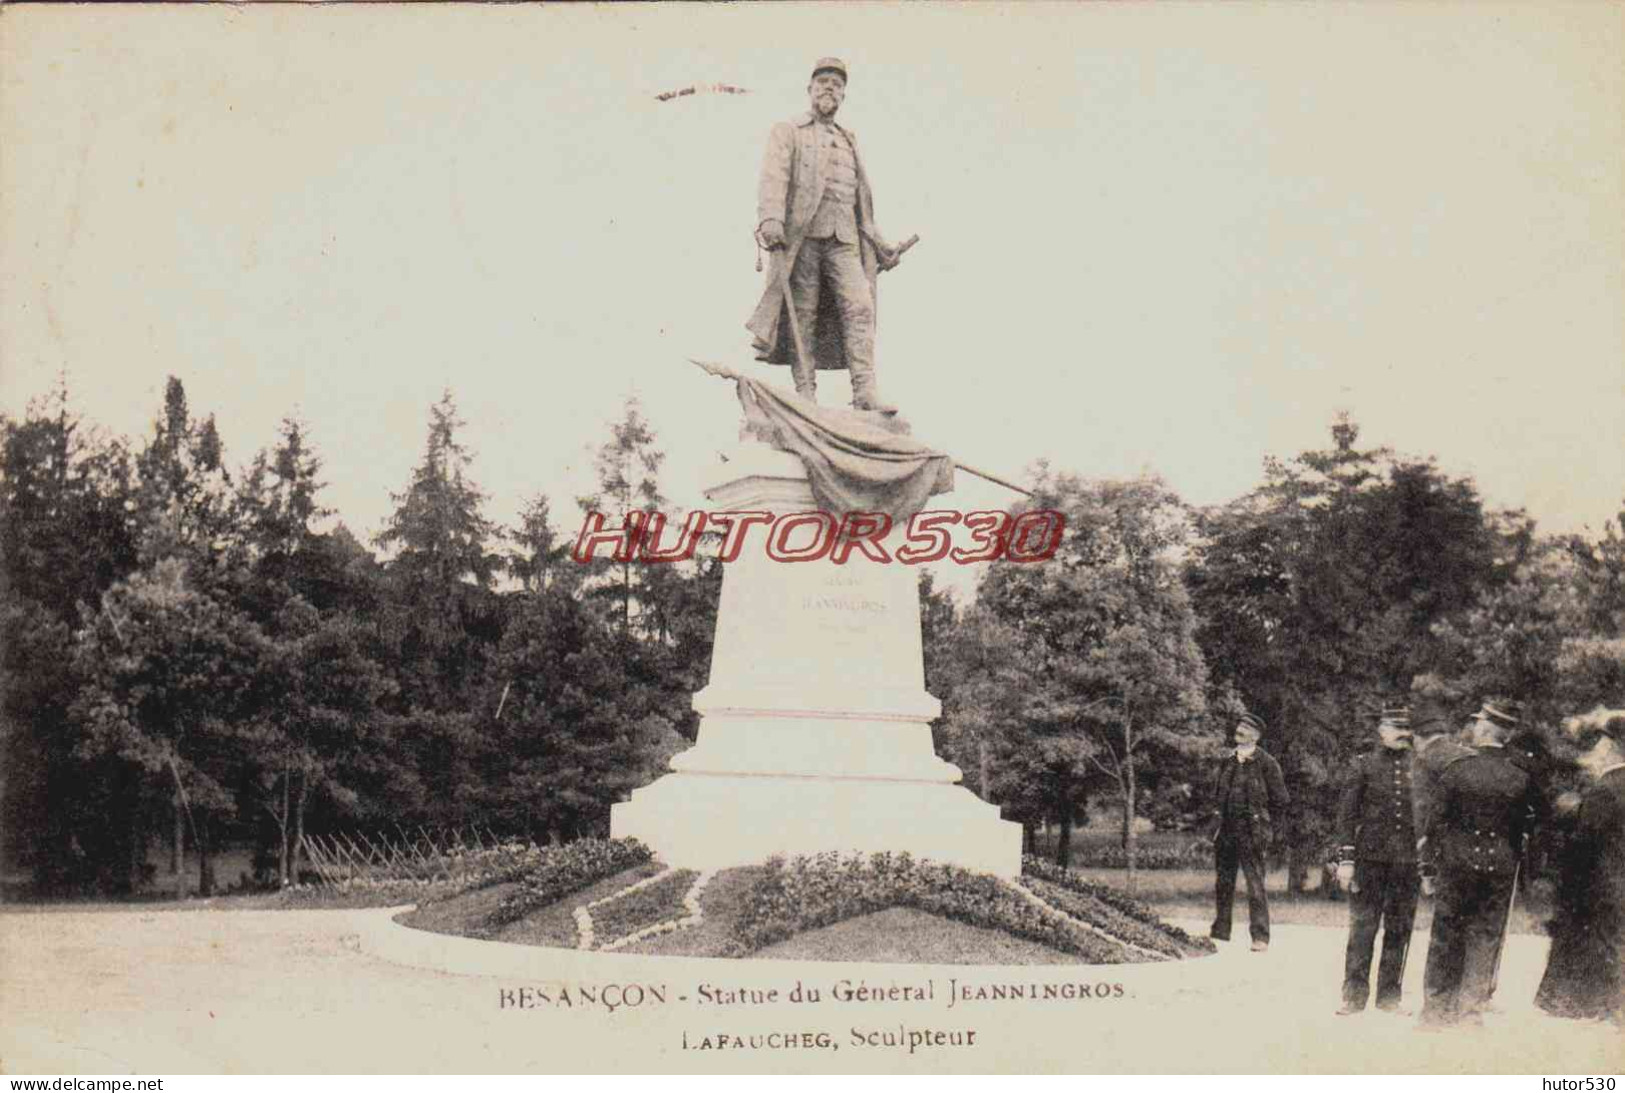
{"points": [[815, 214]]}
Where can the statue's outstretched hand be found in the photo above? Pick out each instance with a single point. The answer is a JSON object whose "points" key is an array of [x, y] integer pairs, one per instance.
{"points": [[888, 255]]}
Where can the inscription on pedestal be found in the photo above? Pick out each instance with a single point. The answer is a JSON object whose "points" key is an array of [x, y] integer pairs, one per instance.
{"points": [[842, 607]]}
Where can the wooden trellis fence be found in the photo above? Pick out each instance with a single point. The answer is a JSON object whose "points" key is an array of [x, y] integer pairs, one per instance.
{"points": [[441, 854]]}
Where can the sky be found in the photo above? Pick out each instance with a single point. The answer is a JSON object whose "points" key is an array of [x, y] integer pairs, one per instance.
{"points": [[1175, 238]]}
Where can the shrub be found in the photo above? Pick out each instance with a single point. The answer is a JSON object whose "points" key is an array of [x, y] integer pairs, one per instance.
{"points": [[807, 893], [557, 871]]}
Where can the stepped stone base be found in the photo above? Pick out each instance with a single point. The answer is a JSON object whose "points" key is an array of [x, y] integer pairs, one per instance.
{"points": [[815, 726], [711, 821]]}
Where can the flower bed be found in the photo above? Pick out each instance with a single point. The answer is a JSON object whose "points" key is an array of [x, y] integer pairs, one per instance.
{"points": [[807, 893], [559, 871], [1105, 906]]}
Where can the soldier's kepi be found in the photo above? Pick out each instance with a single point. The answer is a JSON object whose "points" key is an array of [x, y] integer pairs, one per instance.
{"points": [[815, 213]]}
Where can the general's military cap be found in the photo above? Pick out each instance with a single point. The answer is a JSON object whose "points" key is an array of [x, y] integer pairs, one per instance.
{"points": [[1251, 721], [829, 64], [1498, 712], [1396, 715]]}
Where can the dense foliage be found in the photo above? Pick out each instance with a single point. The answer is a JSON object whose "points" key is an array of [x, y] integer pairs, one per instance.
{"points": [[196, 657], [198, 654]]}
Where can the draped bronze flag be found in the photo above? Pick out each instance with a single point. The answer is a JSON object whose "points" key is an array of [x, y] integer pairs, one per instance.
{"points": [[854, 463]]}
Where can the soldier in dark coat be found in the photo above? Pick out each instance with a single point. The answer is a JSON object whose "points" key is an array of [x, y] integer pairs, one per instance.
{"points": [[1377, 831], [1585, 971], [1250, 792], [1473, 837]]}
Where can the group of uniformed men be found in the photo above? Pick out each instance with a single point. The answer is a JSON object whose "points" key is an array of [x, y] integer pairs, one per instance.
{"points": [[1454, 815]]}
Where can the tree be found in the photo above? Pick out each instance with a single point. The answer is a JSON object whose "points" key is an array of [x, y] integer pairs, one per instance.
{"points": [[1105, 636], [276, 507], [1552, 636], [65, 537], [184, 498], [628, 470], [321, 717], [982, 728], [581, 721], [440, 613], [539, 559], [174, 688], [324, 687]]}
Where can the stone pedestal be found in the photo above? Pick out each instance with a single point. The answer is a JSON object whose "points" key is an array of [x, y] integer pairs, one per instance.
{"points": [[815, 731]]}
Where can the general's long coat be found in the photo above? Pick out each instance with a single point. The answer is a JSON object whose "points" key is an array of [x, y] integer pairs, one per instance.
{"points": [[1585, 973], [789, 190]]}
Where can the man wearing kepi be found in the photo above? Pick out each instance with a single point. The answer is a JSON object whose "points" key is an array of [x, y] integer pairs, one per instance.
{"points": [[815, 212], [1250, 792], [1378, 864], [1473, 836]]}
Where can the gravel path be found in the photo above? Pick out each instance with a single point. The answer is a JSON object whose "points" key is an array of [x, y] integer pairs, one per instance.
{"points": [[293, 991]]}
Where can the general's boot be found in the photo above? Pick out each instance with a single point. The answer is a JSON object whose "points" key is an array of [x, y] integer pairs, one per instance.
{"points": [[865, 397], [806, 380]]}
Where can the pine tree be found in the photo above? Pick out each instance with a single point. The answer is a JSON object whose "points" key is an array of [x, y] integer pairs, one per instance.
{"points": [[440, 569], [628, 470]]}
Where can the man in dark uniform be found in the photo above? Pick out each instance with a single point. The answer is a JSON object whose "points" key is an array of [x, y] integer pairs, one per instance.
{"points": [[1474, 836], [1585, 971], [1250, 792], [1377, 830]]}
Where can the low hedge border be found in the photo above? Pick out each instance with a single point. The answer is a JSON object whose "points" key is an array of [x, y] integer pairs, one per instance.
{"points": [[1090, 910], [1115, 901], [559, 871], [807, 893]]}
